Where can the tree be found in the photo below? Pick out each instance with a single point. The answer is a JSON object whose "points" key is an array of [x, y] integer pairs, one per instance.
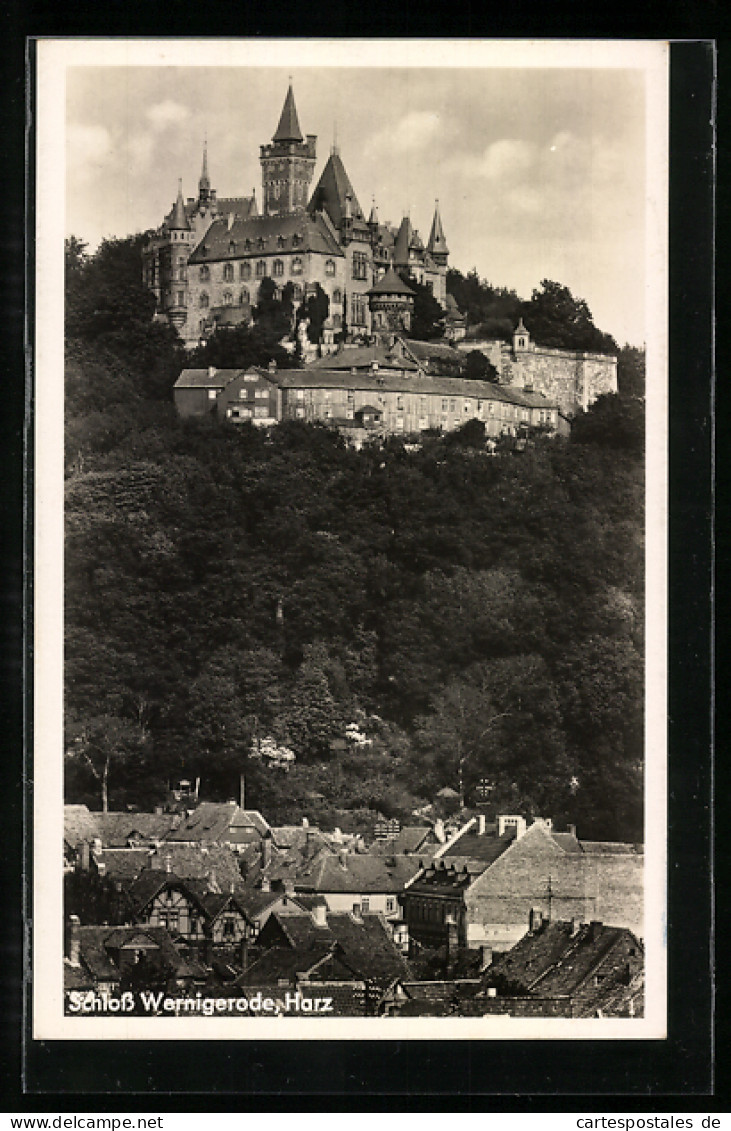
{"points": [[427, 319], [555, 318], [238, 347], [95, 744], [273, 315], [612, 421], [317, 307], [631, 371], [478, 367]]}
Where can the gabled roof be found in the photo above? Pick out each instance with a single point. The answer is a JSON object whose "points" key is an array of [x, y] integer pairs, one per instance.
{"points": [[410, 839], [390, 381], [363, 358], [364, 943], [78, 825], [432, 351], [218, 822], [359, 873], [116, 829], [199, 862], [331, 190], [97, 942], [486, 849], [123, 863], [297, 232], [204, 379], [391, 284], [289, 127]]}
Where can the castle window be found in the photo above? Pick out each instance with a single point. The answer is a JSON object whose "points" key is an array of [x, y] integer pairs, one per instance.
{"points": [[278, 267], [337, 321], [296, 292], [244, 270], [452, 405], [261, 411], [203, 300], [181, 298], [227, 298], [261, 268], [445, 404], [467, 406], [247, 245], [232, 247], [400, 404], [296, 239], [260, 243], [297, 265], [243, 297], [280, 241], [360, 265], [228, 272], [337, 295], [204, 274], [329, 266]]}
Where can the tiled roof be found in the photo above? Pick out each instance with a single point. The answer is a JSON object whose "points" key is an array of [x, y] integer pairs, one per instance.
{"points": [[363, 358], [78, 825], [195, 862], [566, 841], [123, 863], [610, 848], [426, 351], [437, 240], [411, 839], [213, 822], [403, 243], [95, 943], [284, 962], [241, 206], [359, 873], [365, 943], [331, 190], [297, 232], [391, 382], [115, 829], [204, 379]]}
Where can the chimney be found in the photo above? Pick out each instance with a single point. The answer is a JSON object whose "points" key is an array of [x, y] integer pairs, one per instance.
{"points": [[230, 221], [168, 863], [575, 927], [211, 371], [84, 850], [535, 920], [481, 822], [272, 366], [289, 886], [242, 791], [343, 858], [571, 829], [305, 823], [266, 851], [244, 951], [439, 832], [319, 914], [452, 941], [485, 957], [74, 940], [158, 810], [266, 884]]}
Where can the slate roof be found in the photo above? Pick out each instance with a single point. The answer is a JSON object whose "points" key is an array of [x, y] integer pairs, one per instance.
{"points": [[196, 862], [391, 284], [485, 849], [437, 240], [115, 829], [221, 242], [427, 351], [123, 863], [361, 873], [289, 127], [330, 192], [78, 825], [411, 839], [610, 848], [285, 962]]}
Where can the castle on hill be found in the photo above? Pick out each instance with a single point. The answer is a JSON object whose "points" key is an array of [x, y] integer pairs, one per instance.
{"points": [[207, 260]]}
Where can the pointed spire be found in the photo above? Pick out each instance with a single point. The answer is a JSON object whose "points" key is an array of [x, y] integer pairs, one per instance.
{"points": [[373, 218], [289, 127], [204, 183], [437, 240], [403, 243], [178, 219]]}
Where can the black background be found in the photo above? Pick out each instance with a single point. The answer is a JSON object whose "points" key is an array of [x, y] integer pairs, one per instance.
{"points": [[644, 1076]]}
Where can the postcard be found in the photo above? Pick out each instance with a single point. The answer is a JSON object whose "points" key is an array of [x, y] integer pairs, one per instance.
{"points": [[350, 566]]}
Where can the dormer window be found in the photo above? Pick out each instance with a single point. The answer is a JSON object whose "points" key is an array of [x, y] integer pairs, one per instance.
{"points": [[280, 241], [232, 247], [296, 239], [260, 243], [247, 245]]}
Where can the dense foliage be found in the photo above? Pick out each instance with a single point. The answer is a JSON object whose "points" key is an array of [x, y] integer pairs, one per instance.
{"points": [[479, 618]]}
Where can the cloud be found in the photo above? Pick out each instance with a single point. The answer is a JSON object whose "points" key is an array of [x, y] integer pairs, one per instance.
{"points": [[506, 159], [413, 132], [87, 149], [167, 113]]}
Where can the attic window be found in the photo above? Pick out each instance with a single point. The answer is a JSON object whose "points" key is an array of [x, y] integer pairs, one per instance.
{"points": [[296, 239], [247, 245], [232, 247], [280, 241], [260, 243]]}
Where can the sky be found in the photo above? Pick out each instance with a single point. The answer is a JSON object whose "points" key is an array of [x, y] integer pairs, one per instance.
{"points": [[539, 171]]}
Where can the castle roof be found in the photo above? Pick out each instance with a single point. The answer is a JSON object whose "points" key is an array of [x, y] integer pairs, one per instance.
{"points": [[256, 236], [331, 190], [363, 358], [289, 127], [177, 219], [391, 284], [437, 240], [404, 241]]}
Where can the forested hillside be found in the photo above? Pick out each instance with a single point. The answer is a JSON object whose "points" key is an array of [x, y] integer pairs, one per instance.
{"points": [[479, 618]]}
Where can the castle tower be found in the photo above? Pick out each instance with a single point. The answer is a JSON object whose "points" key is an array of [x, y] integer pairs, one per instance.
{"points": [[437, 246], [521, 338], [391, 302], [287, 164]]}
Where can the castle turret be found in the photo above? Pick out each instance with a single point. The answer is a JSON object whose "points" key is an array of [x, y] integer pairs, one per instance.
{"points": [[204, 184], [178, 220], [521, 337], [437, 246], [391, 301], [287, 164]]}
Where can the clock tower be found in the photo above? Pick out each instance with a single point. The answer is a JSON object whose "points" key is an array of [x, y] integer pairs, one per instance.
{"points": [[287, 164]]}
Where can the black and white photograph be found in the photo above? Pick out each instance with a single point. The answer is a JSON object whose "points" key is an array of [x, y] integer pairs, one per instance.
{"points": [[350, 562]]}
